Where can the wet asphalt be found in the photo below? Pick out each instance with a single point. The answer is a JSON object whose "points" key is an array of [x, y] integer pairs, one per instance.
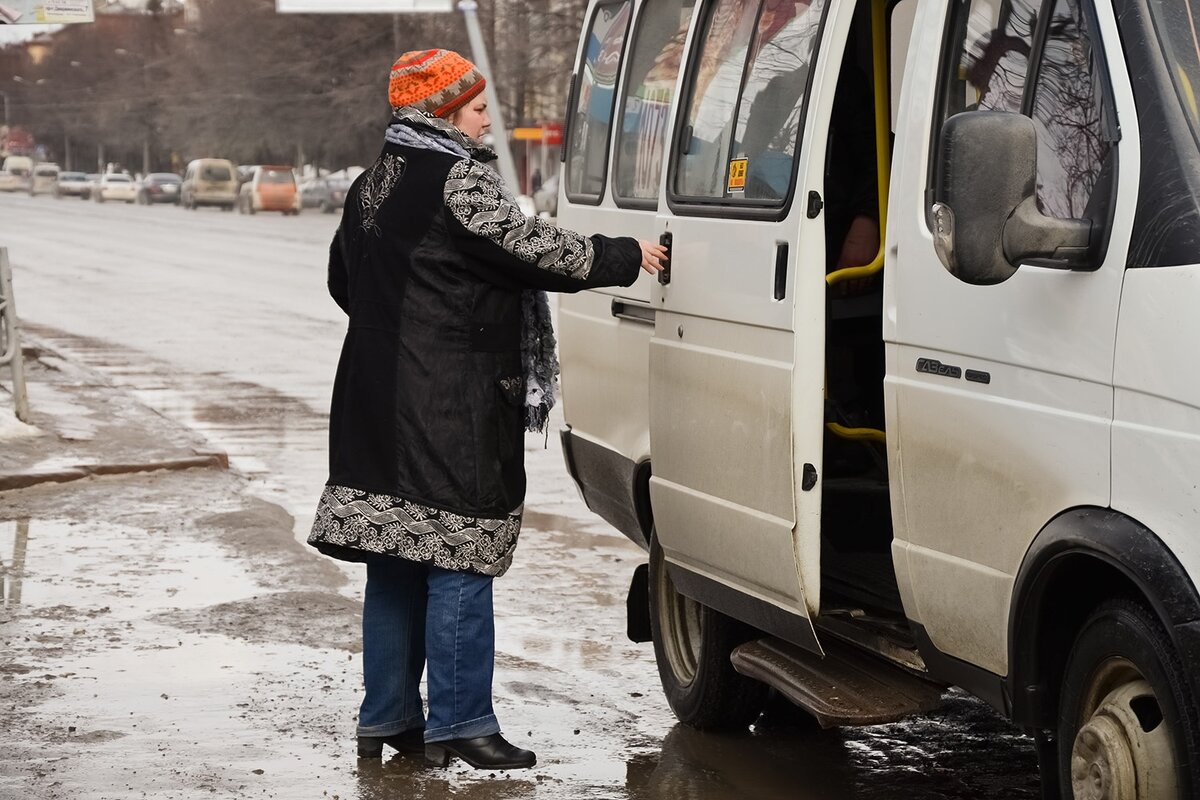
{"points": [[167, 635]]}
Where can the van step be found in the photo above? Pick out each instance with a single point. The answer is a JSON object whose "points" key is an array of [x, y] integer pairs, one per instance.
{"points": [[846, 687]]}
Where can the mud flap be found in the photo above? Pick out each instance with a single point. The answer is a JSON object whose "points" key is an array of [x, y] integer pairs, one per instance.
{"points": [[637, 605]]}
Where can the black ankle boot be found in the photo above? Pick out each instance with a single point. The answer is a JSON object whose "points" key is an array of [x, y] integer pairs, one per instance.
{"points": [[483, 752], [410, 741]]}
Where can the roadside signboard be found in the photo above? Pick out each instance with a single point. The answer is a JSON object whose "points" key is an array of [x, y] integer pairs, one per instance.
{"points": [[40, 12], [360, 6]]}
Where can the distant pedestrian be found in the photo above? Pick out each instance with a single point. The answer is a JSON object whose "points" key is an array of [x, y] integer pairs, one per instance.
{"points": [[448, 359]]}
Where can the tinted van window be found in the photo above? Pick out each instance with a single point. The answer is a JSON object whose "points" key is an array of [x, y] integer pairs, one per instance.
{"points": [[746, 98], [595, 99], [993, 41], [1177, 23], [1066, 111], [215, 173], [649, 90]]}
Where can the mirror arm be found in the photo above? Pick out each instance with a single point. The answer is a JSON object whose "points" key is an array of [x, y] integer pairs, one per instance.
{"points": [[1056, 243]]}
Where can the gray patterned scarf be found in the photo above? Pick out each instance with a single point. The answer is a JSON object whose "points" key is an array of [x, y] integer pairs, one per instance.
{"points": [[539, 361]]}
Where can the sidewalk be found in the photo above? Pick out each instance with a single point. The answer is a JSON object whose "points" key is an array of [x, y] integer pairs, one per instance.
{"points": [[162, 632], [81, 426]]}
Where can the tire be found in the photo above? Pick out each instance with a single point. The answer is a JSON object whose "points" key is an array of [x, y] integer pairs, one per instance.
{"points": [[692, 643], [1128, 726]]}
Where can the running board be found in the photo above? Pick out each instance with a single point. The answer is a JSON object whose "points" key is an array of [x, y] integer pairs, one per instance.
{"points": [[846, 687]]}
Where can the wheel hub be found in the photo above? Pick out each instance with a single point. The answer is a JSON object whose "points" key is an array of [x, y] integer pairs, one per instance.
{"points": [[1115, 756]]}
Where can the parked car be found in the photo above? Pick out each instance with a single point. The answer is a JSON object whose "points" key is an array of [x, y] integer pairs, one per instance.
{"points": [[21, 170], [327, 194], [90, 183], [8, 181], [209, 182], [71, 184], [44, 179], [270, 188], [159, 187], [116, 187]]}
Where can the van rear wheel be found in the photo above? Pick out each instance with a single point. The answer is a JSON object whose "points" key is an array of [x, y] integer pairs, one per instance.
{"points": [[1128, 726], [692, 643]]}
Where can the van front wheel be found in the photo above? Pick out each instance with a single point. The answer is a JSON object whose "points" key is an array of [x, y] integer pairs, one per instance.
{"points": [[1128, 726], [692, 643]]}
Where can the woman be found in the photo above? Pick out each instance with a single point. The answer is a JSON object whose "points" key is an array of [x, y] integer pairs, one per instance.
{"points": [[448, 359]]}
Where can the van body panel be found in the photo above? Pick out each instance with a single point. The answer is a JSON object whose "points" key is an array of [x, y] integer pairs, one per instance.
{"points": [[605, 357], [986, 465], [606, 383], [1157, 412], [958, 618], [751, 397]]}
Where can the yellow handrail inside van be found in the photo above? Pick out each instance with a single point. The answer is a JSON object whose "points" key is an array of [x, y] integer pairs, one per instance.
{"points": [[861, 434], [883, 132], [883, 171]]}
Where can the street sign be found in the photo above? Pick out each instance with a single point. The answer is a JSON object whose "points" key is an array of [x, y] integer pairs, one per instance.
{"points": [[361, 6], [40, 12]]}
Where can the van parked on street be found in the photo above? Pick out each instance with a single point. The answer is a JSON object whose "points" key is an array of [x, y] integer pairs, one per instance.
{"points": [[44, 179], [209, 182], [914, 399], [269, 188], [20, 173]]}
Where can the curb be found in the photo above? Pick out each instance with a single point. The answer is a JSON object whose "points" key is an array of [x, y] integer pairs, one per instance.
{"points": [[21, 480]]}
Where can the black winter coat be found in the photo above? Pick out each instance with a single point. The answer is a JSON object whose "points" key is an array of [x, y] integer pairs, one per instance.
{"points": [[426, 457]]}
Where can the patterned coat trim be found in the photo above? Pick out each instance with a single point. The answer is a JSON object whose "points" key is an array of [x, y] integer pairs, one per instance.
{"points": [[475, 197], [382, 177], [393, 526]]}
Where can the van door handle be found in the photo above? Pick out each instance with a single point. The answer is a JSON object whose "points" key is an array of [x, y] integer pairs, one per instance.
{"points": [[664, 275], [781, 253], [634, 312]]}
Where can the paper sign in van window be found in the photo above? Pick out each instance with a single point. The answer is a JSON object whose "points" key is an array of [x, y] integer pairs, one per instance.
{"points": [[737, 174]]}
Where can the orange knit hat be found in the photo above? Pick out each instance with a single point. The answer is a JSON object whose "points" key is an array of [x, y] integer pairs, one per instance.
{"points": [[437, 81]]}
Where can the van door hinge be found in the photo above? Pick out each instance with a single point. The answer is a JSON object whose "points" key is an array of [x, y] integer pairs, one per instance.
{"points": [[815, 204], [808, 477]]}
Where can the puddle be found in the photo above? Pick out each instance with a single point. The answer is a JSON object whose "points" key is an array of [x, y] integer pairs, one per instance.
{"points": [[65, 564]]}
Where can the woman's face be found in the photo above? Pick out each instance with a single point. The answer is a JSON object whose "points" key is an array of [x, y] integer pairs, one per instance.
{"points": [[472, 119]]}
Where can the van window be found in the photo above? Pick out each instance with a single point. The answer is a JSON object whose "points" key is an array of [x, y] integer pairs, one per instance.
{"points": [[746, 101], [646, 104], [993, 43], [1176, 23], [1066, 111], [276, 176], [997, 42], [214, 172], [595, 98]]}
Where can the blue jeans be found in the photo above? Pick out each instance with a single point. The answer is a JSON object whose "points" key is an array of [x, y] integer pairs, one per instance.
{"points": [[415, 614]]}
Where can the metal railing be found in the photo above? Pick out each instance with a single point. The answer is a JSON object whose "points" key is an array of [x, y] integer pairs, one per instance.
{"points": [[10, 338]]}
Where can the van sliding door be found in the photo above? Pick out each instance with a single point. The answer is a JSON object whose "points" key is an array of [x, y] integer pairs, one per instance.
{"points": [[737, 356]]}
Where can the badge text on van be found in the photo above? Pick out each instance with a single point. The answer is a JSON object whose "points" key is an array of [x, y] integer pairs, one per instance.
{"points": [[934, 367]]}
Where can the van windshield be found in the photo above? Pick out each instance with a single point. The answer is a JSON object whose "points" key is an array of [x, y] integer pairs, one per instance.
{"points": [[1177, 23], [211, 173]]}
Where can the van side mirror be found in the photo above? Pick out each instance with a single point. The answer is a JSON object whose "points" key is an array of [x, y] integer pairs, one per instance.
{"points": [[986, 220]]}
